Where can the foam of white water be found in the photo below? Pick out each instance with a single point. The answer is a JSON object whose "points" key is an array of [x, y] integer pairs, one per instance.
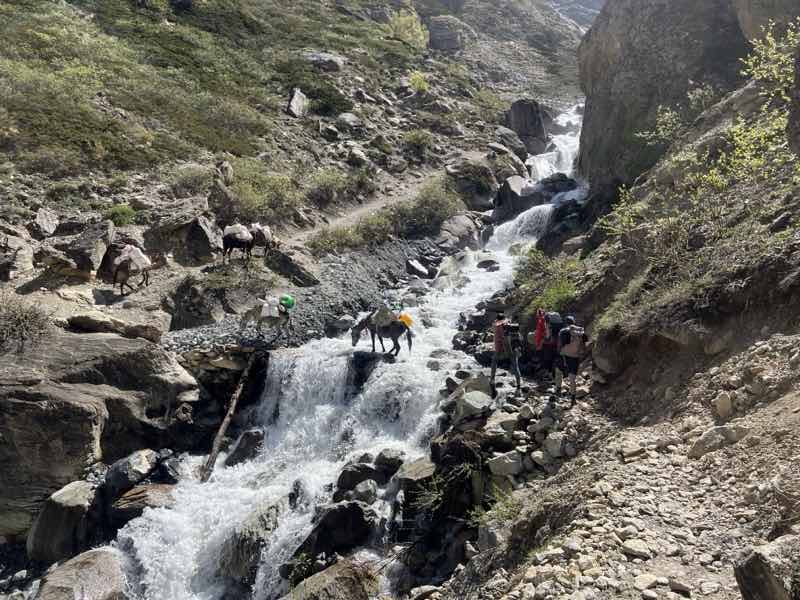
{"points": [[562, 159], [312, 428]]}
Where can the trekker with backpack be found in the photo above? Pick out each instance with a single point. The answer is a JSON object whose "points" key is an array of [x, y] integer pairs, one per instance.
{"points": [[548, 326], [507, 346], [572, 340]]}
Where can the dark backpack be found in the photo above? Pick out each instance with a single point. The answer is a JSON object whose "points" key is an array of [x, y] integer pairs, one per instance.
{"points": [[555, 323]]}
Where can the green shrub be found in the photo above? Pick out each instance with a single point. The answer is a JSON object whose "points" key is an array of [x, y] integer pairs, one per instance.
{"points": [[22, 324], [191, 179], [424, 215], [362, 182], [491, 107], [406, 26], [771, 63], [327, 187], [545, 282], [419, 82], [261, 195], [326, 98], [418, 143], [669, 124], [121, 215]]}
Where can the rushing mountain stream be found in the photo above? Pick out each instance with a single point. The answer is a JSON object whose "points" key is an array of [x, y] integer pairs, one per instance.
{"points": [[315, 422]]}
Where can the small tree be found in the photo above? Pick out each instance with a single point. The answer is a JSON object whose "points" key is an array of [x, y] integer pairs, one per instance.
{"points": [[771, 63], [668, 125]]}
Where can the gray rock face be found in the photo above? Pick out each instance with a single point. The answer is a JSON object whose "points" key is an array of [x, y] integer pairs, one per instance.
{"points": [[754, 15], [343, 581], [475, 182], [298, 104], [285, 263], [639, 55], [354, 474], [63, 527], [44, 223], [414, 474], [16, 257], [103, 571], [389, 461], [449, 34], [525, 117], [246, 447], [84, 252], [772, 571], [459, 232], [77, 388], [518, 194], [241, 552]]}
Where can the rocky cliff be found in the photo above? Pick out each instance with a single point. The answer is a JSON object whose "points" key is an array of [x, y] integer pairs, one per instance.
{"points": [[755, 15], [794, 117], [637, 57]]}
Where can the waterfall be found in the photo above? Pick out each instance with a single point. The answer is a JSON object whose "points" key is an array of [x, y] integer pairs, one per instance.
{"points": [[313, 424], [562, 159]]}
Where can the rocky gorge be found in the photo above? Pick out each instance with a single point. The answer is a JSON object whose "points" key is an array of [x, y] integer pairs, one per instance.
{"points": [[353, 474]]}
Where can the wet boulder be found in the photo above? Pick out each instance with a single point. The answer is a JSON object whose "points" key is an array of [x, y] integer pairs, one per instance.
{"points": [[389, 461], [241, 552], [771, 571], [246, 447], [65, 524], [338, 528], [366, 492], [355, 473], [103, 571], [132, 503], [414, 267], [127, 472], [459, 232], [518, 194], [413, 475], [526, 118], [345, 580]]}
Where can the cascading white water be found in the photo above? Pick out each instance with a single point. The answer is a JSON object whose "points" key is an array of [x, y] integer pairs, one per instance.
{"points": [[562, 159], [312, 428]]}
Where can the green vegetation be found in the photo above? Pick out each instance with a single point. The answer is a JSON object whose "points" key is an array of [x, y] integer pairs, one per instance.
{"points": [[191, 179], [22, 324], [133, 87], [261, 195], [406, 26], [504, 508], [668, 125], [419, 82], [327, 187], [491, 107], [695, 226], [415, 218], [544, 282], [418, 143], [121, 215]]}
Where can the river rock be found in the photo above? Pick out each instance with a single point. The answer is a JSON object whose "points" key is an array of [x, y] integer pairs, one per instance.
{"points": [[241, 552], [366, 492], [353, 474], [518, 194], [128, 471], [472, 404], [99, 574], [389, 461], [338, 528], [132, 503], [246, 447], [346, 580], [64, 525], [459, 232], [415, 474]]}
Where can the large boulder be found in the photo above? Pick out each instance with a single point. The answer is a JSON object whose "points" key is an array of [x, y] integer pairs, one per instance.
{"points": [[127, 472], [246, 447], [473, 405], [99, 574], [355, 473], [132, 503], [459, 232], [755, 15], [80, 399], [241, 552], [184, 229], [509, 138], [44, 224], [638, 56], [771, 571], [338, 528], [325, 61], [95, 321], [81, 254], [415, 474], [345, 580], [449, 33], [287, 264], [525, 117], [475, 183], [716, 438], [64, 526]]}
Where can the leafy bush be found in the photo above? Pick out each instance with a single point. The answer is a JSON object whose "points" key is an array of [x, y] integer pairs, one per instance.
{"points": [[22, 324], [327, 187], [261, 195], [121, 215], [406, 26], [702, 97], [771, 63], [326, 98], [415, 218], [418, 143], [504, 508], [419, 82], [362, 182], [490, 106], [191, 179], [667, 127], [548, 283]]}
